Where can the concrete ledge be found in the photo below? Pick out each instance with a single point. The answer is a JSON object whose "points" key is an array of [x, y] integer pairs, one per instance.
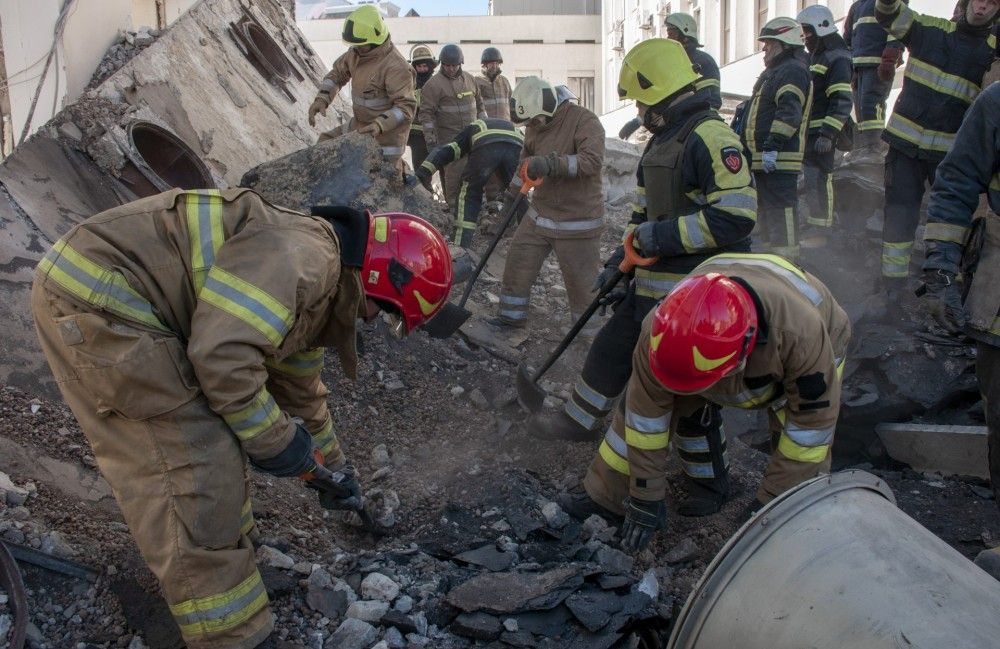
{"points": [[950, 450]]}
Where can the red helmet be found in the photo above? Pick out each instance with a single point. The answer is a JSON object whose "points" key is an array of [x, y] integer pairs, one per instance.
{"points": [[701, 331], [407, 264]]}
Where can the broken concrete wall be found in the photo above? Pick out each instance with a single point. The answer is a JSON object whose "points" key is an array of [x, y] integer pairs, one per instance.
{"points": [[196, 108]]}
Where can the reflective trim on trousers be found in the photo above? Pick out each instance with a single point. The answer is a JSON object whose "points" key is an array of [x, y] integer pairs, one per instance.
{"points": [[592, 397], [948, 231], [703, 470], [896, 258], [614, 451], [221, 612], [325, 440], [580, 416], [691, 444], [514, 308], [647, 424], [809, 436], [569, 226]]}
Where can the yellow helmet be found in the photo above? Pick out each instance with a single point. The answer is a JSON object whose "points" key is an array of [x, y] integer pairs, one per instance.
{"points": [[655, 69], [784, 30], [365, 27]]}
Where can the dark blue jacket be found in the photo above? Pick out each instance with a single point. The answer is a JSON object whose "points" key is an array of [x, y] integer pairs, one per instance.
{"points": [[707, 87], [832, 103], [864, 36]]}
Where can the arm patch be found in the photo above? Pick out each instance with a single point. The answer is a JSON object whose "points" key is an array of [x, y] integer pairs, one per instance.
{"points": [[811, 386]]}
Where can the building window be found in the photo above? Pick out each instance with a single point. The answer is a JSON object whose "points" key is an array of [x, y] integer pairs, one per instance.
{"points": [[582, 87], [760, 20]]}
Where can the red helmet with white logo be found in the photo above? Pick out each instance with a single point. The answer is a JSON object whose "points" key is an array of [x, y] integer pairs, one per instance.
{"points": [[407, 264], [701, 332]]}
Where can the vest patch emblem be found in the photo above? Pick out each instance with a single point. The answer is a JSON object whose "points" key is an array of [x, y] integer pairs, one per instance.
{"points": [[732, 159]]}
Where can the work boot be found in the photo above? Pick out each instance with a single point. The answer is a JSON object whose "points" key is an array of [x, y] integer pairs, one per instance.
{"points": [[559, 425], [705, 497], [580, 506], [507, 323], [989, 560]]}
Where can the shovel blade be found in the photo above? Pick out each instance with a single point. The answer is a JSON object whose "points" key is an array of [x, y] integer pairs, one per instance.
{"points": [[529, 394], [447, 321]]}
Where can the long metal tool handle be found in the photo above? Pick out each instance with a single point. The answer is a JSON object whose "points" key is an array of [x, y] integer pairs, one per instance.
{"points": [[526, 185], [631, 260]]}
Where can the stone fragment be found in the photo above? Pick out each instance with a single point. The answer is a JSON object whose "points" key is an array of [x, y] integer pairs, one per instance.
{"points": [[399, 621], [380, 456], [489, 557], [353, 634], [594, 609], [404, 604], [275, 558], [478, 626], [379, 587], [612, 560], [54, 544], [555, 516], [479, 400], [686, 550], [510, 624], [367, 610], [394, 639], [597, 528], [509, 592], [649, 584], [331, 603]]}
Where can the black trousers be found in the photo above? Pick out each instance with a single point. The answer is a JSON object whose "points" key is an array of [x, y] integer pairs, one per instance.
{"points": [[988, 373], [906, 179], [418, 148], [817, 169], [777, 209], [870, 94], [484, 163]]}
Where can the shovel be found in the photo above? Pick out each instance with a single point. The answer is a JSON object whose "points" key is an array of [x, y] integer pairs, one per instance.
{"points": [[529, 394], [453, 316]]}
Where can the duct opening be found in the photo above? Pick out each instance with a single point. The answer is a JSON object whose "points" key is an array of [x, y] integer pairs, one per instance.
{"points": [[160, 161], [267, 51]]}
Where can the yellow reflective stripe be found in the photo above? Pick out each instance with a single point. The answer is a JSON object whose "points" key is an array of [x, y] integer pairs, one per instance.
{"points": [[261, 414], [995, 182], [946, 232], [222, 612], [810, 454], [455, 148], [940, 81], [779, 265], [102, 287], [916, 134], [247, 303], [866, 60], [900, 26], [865, 20], [838, 87], [426, 306], [498, 131], [706, 82], [896, 258], [792, 88], [612, 459], [203, 212], [830, 120], [871, 125], [325, 440], [782, 128], [305, 363], [429, 166], [818, 68], [646, 441], [246, 517]]}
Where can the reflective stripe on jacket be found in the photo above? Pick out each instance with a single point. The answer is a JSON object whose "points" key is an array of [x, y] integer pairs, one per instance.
{"points": [[831, 78], [776, 119], [480, 133], [251, 330], [864, 36], [943, 76], [496, 96]]}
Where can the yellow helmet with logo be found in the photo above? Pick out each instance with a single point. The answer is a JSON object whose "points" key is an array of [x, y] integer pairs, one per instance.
{"points": [[784, 30], [654, 70], [365, 27]]}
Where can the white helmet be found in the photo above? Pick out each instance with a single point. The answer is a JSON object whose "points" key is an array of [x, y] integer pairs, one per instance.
{"points": [[685, 24], [532, 97], [819, 18]]}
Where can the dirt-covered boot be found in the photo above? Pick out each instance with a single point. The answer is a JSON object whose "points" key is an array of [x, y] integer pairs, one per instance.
{"points": [[580, 506], [705, 497], [559, 425]]}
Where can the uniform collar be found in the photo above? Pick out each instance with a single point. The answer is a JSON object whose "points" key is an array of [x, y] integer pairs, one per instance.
{"points": [[762, 328]]}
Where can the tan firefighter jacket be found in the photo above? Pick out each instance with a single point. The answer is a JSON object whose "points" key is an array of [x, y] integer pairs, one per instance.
{"points": [[794, 368], [382, 91], [570, 202], [496, 96], [253, 291], [447, 106]]}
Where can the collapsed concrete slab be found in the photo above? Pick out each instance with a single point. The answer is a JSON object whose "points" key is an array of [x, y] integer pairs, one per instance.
{"points": [[225, 88], [948, 450]]}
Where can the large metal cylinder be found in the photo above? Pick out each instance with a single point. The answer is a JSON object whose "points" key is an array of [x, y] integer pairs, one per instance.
{"points": [[835, 564]]}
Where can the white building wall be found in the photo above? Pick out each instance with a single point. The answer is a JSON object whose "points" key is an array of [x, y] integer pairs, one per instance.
{"points": [[531, 45]]}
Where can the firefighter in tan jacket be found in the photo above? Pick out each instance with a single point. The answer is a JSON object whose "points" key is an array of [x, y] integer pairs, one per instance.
{"points": [[494, 88], [564, 143], [181, 354], [742, 330], [449, 102], [382, 83]]}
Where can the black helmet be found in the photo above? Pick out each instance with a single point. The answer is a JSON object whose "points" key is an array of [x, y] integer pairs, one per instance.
{"points": [[491, 54], [451, 55]]}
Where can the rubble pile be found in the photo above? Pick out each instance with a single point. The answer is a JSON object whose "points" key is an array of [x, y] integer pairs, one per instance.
{"points": [[129, 44]]}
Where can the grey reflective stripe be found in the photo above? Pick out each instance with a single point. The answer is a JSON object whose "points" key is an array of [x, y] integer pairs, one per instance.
{"points": [[513, 299], [573, 226], [663, 286], [250, 303], [392, 150], [699, 199], [513, 315], [693, 223], [691, 444], [747, 398], [593, 397], [802, 285], [221, 611], [616, 443], [572, 165], [809, 436], [495, 102], [938, 80], [647, 424], [580, 416], [933, 140], [328, 85], [698, 469], [377, 102], [741, 201], [640, 199], [456, 109]]}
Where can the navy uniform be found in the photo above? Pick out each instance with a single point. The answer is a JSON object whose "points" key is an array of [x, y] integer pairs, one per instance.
{"points": [[493, 147], [868, 40], [943, 76]]}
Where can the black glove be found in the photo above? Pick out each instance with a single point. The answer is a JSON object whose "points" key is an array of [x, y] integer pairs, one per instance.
{"points": [[424, 175], [296, 458], [610, 269], [540, 166], [630, 127], [645, 236], [642, 519], [946, 304], [823, 144], [613, 299], [337, 489]]}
